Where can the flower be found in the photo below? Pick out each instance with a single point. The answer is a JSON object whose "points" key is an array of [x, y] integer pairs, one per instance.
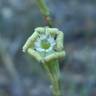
{"points": [[45, 44]]}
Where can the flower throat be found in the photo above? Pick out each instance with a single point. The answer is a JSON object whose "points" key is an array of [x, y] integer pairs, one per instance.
{"points": [[45, 44]]}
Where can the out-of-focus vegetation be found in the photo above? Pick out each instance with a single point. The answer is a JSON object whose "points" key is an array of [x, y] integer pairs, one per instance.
{"points": [[20, 75]]}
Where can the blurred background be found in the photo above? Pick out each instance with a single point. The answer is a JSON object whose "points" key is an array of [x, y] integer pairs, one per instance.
{"points": [[20, 75]]}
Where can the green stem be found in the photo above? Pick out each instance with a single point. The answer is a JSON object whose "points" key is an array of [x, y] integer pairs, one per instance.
{"points": [[45, 11], [56, 87], [53, 71]]}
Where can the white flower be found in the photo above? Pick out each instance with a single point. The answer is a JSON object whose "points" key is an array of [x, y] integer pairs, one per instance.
{"points": [[44, 43]]}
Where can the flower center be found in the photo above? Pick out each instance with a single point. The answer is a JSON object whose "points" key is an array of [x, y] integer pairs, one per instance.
{"points": [[45, 44]]}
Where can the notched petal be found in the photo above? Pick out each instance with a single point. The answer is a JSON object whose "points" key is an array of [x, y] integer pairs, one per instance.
{"points": [[55, 55], [30, 41], [59, 41], [40, 30], [35, 54]]}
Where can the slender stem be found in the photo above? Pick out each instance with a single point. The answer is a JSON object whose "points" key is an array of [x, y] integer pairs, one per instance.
{"points": [[45, 11], [56, 88], [54, 75]]}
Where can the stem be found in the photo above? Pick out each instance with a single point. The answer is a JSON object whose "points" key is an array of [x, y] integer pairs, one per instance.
{"points": [[45, 12], [56, 88], [53, 71]]}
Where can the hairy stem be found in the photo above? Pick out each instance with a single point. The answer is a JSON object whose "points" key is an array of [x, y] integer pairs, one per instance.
{"points": [[53, 71], [45, 11]]}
